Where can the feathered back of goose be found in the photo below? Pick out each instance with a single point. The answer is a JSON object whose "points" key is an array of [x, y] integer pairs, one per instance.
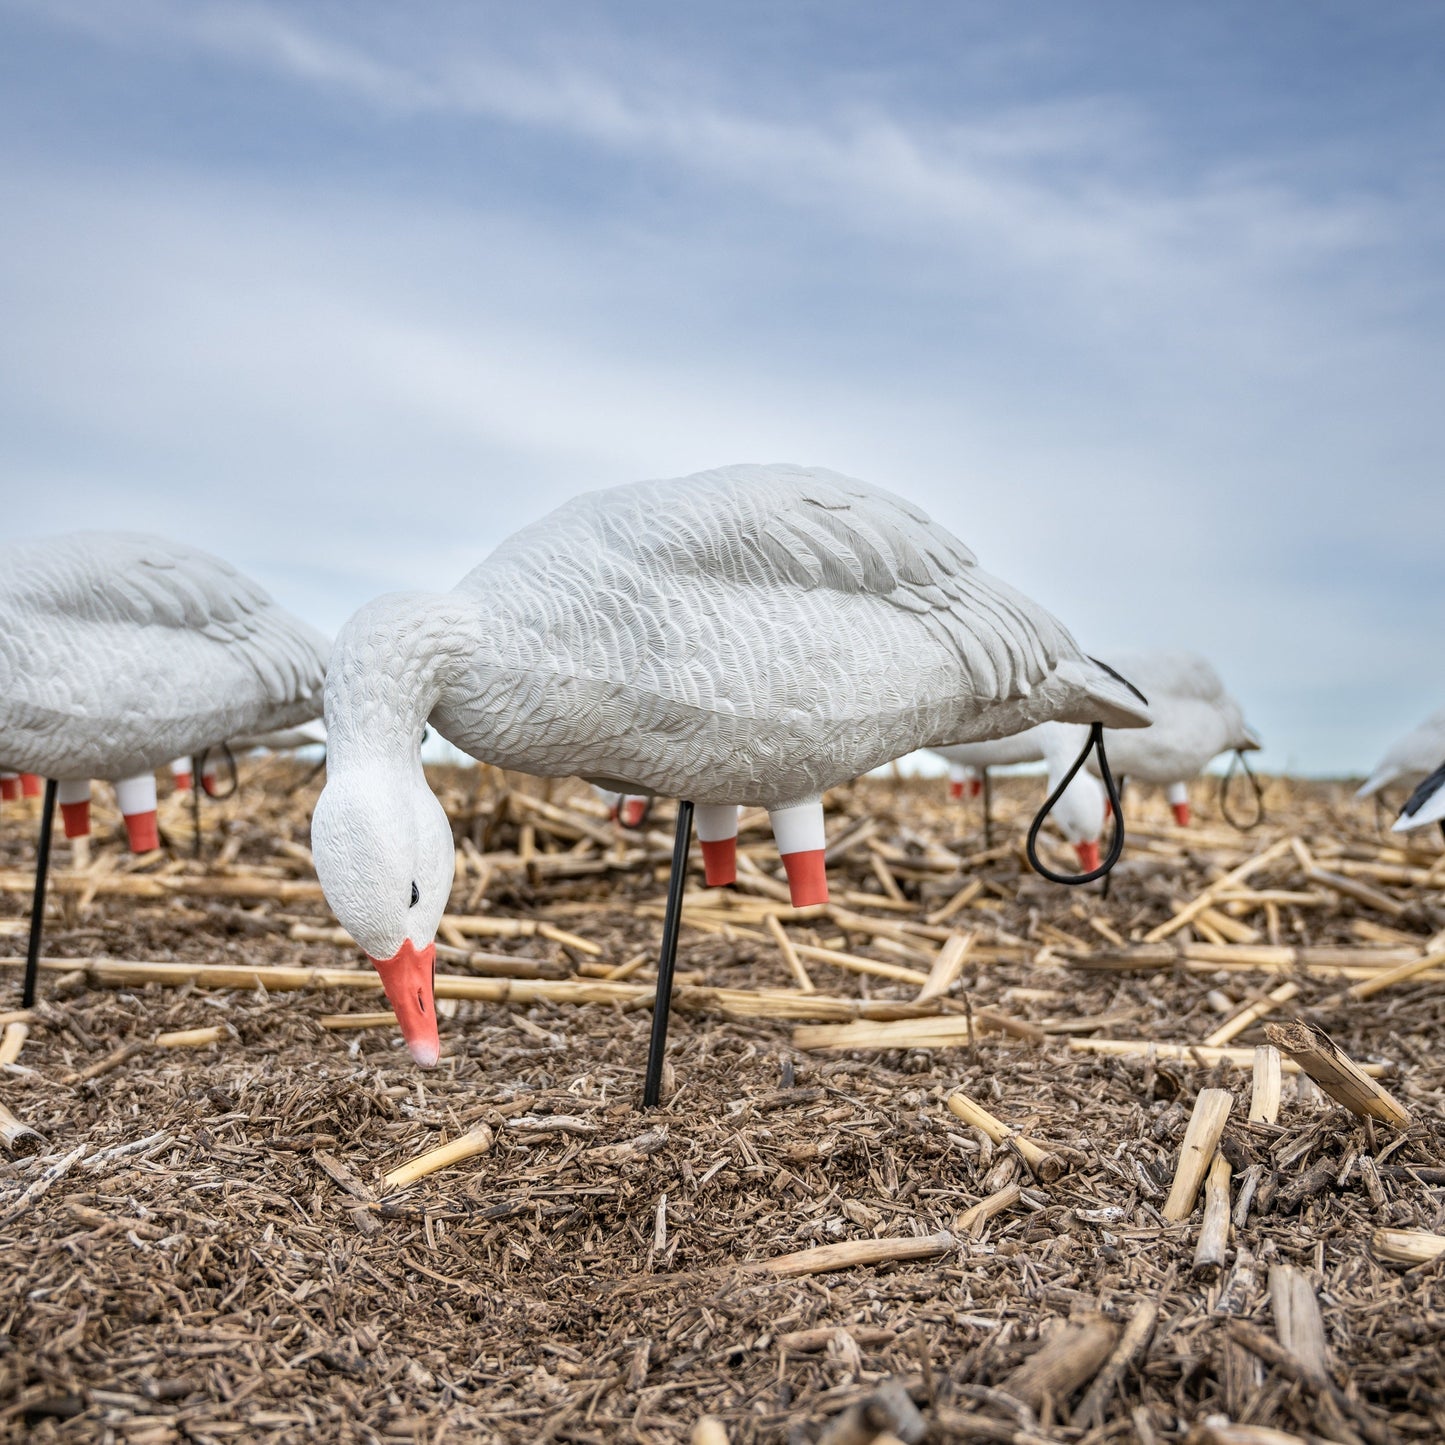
{"points": [[119, 651], [1195, 718], [711, 590], [1170, 674]]}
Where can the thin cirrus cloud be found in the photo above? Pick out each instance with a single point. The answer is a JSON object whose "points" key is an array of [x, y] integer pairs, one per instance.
{"points": [[360, 272]]}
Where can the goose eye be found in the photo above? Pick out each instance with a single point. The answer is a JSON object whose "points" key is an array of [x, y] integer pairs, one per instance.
{"points": [[415, 896]]}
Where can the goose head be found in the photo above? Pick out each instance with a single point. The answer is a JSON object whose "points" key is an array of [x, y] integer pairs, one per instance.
{"points": [[1079, 816], [385, 858]]}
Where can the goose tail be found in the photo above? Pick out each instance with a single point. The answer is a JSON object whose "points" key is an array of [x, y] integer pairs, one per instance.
{"points": [[1105, 696], [1381, 777]]}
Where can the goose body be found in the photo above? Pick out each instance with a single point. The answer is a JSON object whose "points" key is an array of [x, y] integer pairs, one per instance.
{"points": [[752, 635], [1419, 752], [120, 651], [1194, 720]]}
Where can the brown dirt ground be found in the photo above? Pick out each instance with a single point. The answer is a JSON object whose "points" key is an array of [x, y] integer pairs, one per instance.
{"points": [[214, 1265]]}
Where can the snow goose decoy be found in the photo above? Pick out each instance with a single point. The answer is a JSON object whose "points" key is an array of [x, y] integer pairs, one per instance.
{"points": [[1411, 758], [752, 635], [1195, 720], [1079, 812], [1425, 805], [120, 651]]}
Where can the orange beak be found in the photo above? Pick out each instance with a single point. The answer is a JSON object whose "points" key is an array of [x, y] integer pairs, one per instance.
{"points": [[407, 979], [1088, 856]]}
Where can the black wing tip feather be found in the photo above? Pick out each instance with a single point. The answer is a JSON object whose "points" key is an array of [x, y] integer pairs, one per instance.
{"points": [[1424, 792], [1119, 677]]}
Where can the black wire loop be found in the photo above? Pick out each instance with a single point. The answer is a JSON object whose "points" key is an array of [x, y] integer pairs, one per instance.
{"points": [[199, 781], [1116, 841], [1235, 763]]}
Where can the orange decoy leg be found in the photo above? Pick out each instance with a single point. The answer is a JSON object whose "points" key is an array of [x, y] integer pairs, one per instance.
{"points": [[137, 799], [74, 795], [717, 830], [1178, 796], [801, 840]]}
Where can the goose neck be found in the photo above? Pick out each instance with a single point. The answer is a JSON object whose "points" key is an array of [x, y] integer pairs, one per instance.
{"points": [[389, 668]]}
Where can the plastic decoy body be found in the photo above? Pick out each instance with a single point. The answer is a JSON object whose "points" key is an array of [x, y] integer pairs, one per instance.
{"points": [[747, 636]]}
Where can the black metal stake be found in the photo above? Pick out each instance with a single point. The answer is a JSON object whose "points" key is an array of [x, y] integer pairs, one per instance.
{"points": [[1108, 877], [987, 809], [37, 906], [197, 763], [671, 923]]}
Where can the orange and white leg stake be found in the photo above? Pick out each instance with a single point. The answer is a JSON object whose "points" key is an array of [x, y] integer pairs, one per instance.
{"points": [[181, 774], [1178, 795], [31, 785], [717, 831], [137, 799], [801, 840], [10, 787], [957, 779], [74, 796]]}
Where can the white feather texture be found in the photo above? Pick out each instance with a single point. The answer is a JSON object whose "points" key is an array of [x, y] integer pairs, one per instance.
{"points": [[120, 651], [751, 635], [1419, 752], [1194, 718]]}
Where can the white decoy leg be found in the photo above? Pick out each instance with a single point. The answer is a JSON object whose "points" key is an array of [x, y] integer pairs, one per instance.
{"points": [[958, 775], [137, 799], [181, 774], [717, 831], [801, 840], [1178, 795]]}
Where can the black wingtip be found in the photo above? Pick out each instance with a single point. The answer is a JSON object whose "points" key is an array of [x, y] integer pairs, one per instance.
{"points": [[1424, 792], [1119, 677]]}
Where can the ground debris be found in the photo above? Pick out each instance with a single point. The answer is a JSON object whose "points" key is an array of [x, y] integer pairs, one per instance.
{"points": [[203, 1246]]}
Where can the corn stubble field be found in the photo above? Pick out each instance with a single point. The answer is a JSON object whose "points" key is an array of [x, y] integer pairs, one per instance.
{"points": [[965, 1157]]}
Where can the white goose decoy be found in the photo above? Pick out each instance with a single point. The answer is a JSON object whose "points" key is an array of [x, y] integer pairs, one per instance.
{"points": [[1408, 761], [1425, 805], [1195, 720], [747, 636], [1079, 812], [120, 651]]}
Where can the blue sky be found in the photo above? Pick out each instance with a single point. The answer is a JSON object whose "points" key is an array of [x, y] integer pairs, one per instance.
{"points": [[1144, 302]]}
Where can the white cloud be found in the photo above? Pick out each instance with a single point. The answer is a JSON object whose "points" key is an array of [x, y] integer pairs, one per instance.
{"points": [[1149, 402]]}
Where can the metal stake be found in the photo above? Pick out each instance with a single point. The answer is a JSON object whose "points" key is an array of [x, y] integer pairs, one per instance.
{"points": [[37, 906], [671, 923]]}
